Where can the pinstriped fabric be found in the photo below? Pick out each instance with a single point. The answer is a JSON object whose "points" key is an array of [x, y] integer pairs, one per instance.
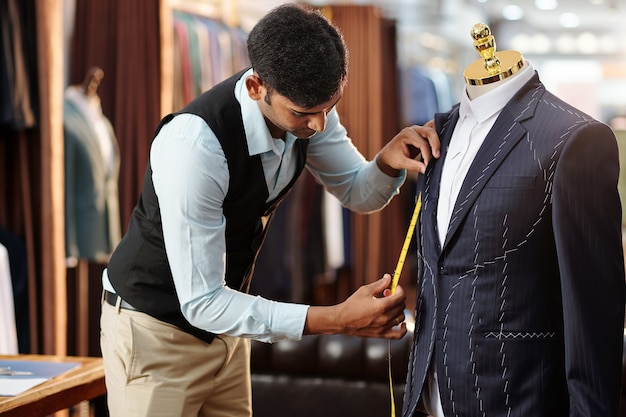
{"points": [[506, 307]]}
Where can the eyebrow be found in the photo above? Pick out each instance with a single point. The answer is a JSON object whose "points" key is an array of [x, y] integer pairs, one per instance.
{"points": [[316, 112]]}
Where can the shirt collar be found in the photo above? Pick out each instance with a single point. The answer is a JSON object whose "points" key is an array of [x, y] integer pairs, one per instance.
{"points": [[492, 102], [257, 134]]}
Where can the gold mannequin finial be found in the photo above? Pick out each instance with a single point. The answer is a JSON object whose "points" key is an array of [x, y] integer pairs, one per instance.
{"points": [[492, 67]]}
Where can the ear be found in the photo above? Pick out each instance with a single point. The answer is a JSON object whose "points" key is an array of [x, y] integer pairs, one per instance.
{"points": [[255, 87]]}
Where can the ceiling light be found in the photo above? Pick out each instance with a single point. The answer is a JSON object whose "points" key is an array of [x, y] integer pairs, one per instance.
{"points": [[512, 12], [566, 44], [607, 44], [587, 43], [569, 20], [541, 43], [546, 4], [521, 42]]}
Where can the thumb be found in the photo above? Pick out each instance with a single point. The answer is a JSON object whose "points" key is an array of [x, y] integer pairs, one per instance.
{"points": [[379, 286]]}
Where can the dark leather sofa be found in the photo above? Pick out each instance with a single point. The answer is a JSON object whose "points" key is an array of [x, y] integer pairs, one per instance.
{"points": [[328, 375], [335, 376]]}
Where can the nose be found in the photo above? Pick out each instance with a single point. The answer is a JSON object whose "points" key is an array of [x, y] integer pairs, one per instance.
{"points": [[317, 122]]}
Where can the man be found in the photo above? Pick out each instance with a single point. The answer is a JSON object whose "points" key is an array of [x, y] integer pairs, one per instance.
{"points": [[520, 303], [176, 319]]}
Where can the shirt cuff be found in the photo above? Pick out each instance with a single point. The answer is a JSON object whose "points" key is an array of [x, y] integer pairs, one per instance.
{"points": [[289, 320]]}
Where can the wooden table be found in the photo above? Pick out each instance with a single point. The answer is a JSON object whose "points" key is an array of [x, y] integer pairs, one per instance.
{"points": [[83, 383]]}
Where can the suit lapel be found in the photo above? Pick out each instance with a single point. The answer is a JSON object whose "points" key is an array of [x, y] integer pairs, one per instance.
{"points": [[444, 125], [501, 139]]}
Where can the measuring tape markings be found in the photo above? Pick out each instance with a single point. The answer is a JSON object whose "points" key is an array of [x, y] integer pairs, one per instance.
{"points": [[394, 284]]}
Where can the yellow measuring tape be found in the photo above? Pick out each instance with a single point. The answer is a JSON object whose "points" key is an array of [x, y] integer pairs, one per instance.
{"points": [[394, 284], [405, 246]]}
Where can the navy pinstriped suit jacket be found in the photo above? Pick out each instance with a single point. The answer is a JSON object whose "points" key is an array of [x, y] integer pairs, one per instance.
{"points": [[523, 307]]}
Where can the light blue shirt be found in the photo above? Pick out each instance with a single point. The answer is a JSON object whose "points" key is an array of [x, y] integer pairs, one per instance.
{"points": [[191, 179]]}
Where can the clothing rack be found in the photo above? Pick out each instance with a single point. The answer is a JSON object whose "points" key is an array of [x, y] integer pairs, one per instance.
{"points": [[224, 10]]}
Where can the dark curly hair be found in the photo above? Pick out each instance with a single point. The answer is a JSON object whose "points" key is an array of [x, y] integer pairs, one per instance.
{"points": [[298, 53]]}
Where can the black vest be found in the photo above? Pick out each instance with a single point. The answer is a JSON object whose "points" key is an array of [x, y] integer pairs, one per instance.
{"points": [[139, 269]]}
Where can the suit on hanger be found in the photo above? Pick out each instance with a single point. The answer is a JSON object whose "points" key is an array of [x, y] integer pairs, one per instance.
{"points": [[522, 307]]}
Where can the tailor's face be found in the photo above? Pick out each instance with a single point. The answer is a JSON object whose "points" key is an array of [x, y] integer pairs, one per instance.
{"points": [[282, 115]]}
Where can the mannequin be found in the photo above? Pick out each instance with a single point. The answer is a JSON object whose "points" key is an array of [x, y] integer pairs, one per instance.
{"points": [[484, 75], [518, 213], [91, 173]]}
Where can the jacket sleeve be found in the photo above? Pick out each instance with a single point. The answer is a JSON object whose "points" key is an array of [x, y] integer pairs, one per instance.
{"points": [[587, 227]]}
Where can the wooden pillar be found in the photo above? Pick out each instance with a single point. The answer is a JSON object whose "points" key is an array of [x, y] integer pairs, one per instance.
{"points": [[52, 235]]}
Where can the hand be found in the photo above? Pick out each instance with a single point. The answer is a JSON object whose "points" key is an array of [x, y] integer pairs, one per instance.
{"points": [[411, 149], [368, 312]]}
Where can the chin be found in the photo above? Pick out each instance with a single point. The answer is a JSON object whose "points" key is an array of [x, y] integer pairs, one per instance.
{"points": [[306, 135]]}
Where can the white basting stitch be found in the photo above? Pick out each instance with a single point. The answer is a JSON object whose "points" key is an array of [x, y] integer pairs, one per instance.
{"points": [[520, 335]]}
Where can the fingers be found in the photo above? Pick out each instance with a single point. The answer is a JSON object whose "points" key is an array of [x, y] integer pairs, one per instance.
{"points": [[396, 332], [367, 313], [391, 332], [385, 284], [425, 138], [399, 319], [411, 149], [380, 285]]}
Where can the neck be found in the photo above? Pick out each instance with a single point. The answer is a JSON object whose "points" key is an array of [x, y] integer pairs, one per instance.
{"points": [[475, 91], [275, 131]]}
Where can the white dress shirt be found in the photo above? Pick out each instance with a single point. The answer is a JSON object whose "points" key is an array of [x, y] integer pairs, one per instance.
{"points": [[476, 118], [91, 109], [191, 179], [8, 329]]}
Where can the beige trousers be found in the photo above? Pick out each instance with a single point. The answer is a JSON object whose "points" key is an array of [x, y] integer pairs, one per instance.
{"points": [[154, 369]]}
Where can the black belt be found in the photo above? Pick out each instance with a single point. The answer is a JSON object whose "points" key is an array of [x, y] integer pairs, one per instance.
{"points": [[112, 298]]}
